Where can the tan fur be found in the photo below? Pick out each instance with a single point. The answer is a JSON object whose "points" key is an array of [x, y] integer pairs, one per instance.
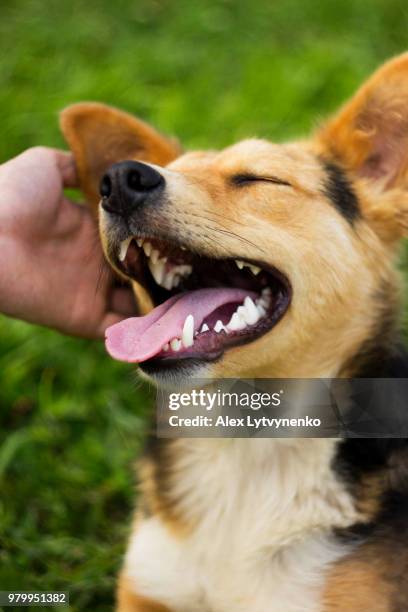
{"points": [[345, 292], [157, 480], [356, 586], [129, 601], [370, 493]]}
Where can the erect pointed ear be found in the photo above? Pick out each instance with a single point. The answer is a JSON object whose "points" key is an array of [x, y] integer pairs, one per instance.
{"points": [[370, 133], [101, 135], [369, 138]]}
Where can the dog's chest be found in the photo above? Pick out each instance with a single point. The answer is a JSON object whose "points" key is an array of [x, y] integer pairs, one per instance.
{"points": [[262, 512]]}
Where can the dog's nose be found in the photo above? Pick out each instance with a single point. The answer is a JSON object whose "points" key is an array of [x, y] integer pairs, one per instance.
{"points": [[128, 184]]}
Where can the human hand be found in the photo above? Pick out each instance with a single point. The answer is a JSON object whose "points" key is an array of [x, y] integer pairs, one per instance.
{"points": [[52, 270]]}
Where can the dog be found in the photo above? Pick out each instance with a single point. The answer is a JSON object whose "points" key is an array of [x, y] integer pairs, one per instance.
{"points": [[290, 250]]}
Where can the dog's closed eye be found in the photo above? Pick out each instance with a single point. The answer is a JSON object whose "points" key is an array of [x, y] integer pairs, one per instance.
{"points": [[240, 180]]}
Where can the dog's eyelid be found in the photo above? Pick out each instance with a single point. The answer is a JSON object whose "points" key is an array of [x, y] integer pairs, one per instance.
{"points": [[245, 178]]}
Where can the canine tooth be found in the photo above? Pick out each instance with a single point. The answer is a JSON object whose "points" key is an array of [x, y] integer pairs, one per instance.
{"points": [[154, 256], [187, 336], [166, 347], [139, 242], [239, 263], [147, 247], [175, 344], [123, 249], [236, 323], [157, 270], [176, 280], [204, 328], [183, 248], [267, 292], [251, 310], [254, 269]]}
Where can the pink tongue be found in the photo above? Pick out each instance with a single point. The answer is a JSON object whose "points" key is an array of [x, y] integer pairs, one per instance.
{"points": [[140, 338]]}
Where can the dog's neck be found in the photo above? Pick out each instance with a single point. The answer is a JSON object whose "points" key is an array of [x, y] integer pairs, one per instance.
{"points": [[190, 487]]}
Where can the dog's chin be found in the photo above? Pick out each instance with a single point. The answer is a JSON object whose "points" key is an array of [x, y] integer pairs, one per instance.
{"points": [[176, 373]]}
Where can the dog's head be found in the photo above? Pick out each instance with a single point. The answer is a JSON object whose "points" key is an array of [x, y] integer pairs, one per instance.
{"points": [[259, 260]]}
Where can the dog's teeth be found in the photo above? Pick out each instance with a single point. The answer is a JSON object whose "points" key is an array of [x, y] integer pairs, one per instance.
{"points": [[187, 336], [147, 247], [183, 248], [261, 310], [219, 326], [204, 328], [166, 347], [175, 344], [262, 303], [157, 270], [168, 281], [139, 242], [183, 270], [123, 249], [241, 312], [239, 263], [254, 269], [265, 299], [248, 312], [251, 311], [236, 323], [157, 267]]}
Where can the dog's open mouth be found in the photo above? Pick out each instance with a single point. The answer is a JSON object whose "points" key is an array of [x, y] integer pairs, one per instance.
{"points": [[203, 306]]}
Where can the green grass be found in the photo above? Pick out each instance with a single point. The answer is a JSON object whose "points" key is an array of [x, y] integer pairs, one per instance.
{"points": [[210, 72]]}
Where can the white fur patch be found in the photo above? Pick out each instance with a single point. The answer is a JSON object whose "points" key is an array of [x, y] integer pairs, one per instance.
{"points": [[264, 511]]}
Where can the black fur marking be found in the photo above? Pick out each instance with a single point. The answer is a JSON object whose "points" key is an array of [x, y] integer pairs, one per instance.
{"points": [[358, 458], [383, 354], [340, 192]]}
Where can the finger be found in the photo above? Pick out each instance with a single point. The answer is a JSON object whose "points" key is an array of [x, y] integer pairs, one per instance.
{"points": [[67, 168], [123, 302]]}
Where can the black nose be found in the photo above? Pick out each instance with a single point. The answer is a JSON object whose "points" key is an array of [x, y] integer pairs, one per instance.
{"points": [[127, 185]]}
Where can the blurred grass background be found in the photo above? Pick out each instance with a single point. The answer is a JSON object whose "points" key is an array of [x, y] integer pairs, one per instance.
{"points": [[211, 72]]}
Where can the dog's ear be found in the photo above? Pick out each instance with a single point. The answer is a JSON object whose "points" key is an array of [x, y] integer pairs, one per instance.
{"points": [[100, 135], [369, 137], [370, 133]]}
